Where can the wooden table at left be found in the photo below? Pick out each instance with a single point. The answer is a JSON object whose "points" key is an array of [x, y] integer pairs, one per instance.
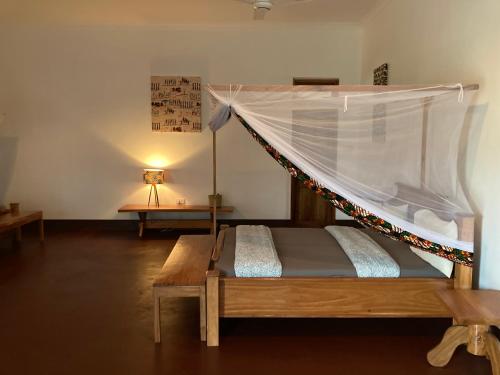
{"points": [[10, 222]]}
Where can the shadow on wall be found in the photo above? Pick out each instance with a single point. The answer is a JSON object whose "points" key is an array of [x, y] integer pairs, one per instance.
{"points": [[8, 152], [469, 143]]}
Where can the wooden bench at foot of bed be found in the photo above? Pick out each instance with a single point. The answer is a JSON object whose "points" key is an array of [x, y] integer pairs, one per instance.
{"points": [[184, 275]]}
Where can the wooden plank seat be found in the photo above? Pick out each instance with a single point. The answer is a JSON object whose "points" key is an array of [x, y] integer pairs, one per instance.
{"points": [[13, 222], [184, 275]]}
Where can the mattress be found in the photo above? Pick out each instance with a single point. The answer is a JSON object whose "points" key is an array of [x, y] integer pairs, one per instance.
{"points": [[313, 252]]}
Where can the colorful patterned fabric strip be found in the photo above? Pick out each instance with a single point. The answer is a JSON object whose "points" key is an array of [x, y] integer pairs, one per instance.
{"points": [[359, 214]]}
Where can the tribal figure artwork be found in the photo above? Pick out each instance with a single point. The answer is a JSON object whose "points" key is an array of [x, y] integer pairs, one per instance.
{"points": [[176, 104]]}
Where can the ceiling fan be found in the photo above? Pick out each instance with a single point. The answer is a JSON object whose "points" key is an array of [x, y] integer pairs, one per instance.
{"points": [[262, 7]]}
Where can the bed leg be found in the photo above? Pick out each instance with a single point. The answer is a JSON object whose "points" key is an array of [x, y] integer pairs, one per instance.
{"points": [[157, 328], [203, 313], [212, 308]]}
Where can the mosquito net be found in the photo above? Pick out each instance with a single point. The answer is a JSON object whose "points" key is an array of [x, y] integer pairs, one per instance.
{"points": [[381, 155]]}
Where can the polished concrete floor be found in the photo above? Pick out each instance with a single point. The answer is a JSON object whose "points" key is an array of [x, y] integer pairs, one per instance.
{"points": [[81, 304]]}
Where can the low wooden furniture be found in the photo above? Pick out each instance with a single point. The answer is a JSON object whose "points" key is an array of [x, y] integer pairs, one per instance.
{"points": [[334, 297], [229, 296], [474, 312], [184, 275], [10, 222], [142, 210]]}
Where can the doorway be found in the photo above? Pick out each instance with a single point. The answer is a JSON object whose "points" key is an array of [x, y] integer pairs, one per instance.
{"points": [[307, 209]]}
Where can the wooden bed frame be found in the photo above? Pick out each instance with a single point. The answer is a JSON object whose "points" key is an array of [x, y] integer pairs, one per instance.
{"points": [[332, 297], [336, 297]]}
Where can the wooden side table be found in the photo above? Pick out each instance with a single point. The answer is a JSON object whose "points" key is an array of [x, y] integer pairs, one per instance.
{"points": [[474, 312], [142, 211]]}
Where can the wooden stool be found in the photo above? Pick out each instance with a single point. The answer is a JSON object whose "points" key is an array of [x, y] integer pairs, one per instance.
{"points": [[474, 312]]}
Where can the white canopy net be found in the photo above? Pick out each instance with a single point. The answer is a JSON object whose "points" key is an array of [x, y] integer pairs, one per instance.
{"points": [[380, 156]]}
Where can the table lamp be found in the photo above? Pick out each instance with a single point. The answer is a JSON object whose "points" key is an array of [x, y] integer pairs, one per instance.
{"points": [[153, 177]]}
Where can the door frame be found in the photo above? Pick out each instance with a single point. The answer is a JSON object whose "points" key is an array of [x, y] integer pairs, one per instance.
{"points": [[310, 81]]}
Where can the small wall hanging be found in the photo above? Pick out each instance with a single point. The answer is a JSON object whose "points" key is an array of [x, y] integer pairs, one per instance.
{"points": [[176, 104], [381, 75]]}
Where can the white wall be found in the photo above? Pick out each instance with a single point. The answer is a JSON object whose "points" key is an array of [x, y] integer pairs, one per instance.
{"points": [[77, 129], [429, 41]]}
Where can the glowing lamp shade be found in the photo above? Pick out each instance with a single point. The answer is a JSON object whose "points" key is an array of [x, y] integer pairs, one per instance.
{"points": [[153, 177]]}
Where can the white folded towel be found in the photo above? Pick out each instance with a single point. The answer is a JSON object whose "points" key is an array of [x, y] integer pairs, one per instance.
{"points": [[367, 256], [255, 254]]}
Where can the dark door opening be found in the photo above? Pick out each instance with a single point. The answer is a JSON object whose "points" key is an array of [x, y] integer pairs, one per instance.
{"points": [[307, 208]]}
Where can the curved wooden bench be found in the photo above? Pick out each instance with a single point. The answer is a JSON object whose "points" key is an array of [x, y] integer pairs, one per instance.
{"points": [[184, 275], [474, 313]]}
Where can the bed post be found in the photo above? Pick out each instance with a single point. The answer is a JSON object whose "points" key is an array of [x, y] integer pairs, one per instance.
{"points": [[426, 102], [463, 274], [463, 277], [219, 243], [214, 181], [212, 308]]}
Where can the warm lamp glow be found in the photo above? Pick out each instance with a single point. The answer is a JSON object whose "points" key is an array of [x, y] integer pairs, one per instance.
{"points": [[157, 161]]}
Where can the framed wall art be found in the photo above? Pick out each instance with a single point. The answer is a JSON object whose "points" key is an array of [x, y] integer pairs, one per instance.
{"points": [[176, 104]]}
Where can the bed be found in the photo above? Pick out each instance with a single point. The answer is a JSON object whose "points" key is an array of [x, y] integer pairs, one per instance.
{"points": [[324, 257], [317, 279], [319, 285]]}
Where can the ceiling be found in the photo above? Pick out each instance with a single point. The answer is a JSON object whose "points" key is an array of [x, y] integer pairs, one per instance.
{"points": [[163, 12]]}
